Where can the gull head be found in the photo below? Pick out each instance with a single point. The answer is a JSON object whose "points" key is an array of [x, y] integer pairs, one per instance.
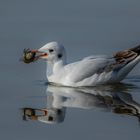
{"points": [[52, 52]]}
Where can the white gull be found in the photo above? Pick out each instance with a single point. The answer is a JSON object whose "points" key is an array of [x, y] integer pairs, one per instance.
{"points": [[90, 71]]}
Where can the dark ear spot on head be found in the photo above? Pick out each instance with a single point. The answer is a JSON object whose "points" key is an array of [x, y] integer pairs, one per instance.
{"points": [[59, 55]]}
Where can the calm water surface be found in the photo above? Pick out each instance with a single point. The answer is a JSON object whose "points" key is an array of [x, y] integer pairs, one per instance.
{"points": [[31, 109]]}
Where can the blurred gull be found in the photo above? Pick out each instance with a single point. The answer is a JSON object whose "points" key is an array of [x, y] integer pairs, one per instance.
{"points": [[108, 98]]}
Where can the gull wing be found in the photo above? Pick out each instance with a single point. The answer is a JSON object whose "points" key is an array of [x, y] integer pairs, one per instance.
{"points": [[122, 63], [87, 67]]}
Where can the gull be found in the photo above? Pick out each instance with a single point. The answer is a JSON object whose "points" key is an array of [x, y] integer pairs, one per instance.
{"points": [[90, 71]]}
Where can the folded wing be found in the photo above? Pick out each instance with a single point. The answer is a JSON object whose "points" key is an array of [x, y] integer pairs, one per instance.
{"points": [[87, 67], [121, 63]]}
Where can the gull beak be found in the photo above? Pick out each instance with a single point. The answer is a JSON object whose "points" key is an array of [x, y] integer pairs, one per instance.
{"points": [[33, 55], [40, 54]]}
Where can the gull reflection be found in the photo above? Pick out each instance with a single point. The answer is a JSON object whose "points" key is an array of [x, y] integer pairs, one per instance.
{"points": [[111, 98]]}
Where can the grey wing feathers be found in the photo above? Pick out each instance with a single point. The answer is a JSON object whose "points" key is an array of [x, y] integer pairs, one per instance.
{"points": [[88, 67], [97, 56]]}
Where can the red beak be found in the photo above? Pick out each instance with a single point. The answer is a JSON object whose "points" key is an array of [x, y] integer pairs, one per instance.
{"points": [[39, 54]]}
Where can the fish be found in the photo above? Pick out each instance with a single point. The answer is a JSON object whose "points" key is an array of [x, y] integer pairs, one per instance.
{"points": [[29, 56]]}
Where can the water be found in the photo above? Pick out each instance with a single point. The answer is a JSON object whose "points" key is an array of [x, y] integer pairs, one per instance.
{"points": [[85, 28]]}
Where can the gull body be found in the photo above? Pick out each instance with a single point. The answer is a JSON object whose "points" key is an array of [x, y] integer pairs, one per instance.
{"points": [[90, 71]]}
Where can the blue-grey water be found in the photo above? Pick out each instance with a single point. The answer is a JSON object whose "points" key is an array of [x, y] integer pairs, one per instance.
{"points": [[85, 28]]}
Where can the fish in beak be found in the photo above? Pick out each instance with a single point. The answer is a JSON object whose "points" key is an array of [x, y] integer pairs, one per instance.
{"points": [[33, 55]]}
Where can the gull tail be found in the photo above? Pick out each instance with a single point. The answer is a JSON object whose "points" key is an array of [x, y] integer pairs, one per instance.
{"points": [[136, 49], [128, 59]]}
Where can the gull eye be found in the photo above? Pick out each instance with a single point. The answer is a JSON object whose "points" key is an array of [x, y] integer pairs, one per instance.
{"points": [[51, 50]]}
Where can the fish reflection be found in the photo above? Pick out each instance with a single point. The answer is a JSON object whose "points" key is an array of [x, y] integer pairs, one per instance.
{"points": [[114, 99], [47, 115]]}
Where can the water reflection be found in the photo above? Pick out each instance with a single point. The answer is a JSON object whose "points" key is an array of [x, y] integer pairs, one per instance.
{"points": [[112, 98]]}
